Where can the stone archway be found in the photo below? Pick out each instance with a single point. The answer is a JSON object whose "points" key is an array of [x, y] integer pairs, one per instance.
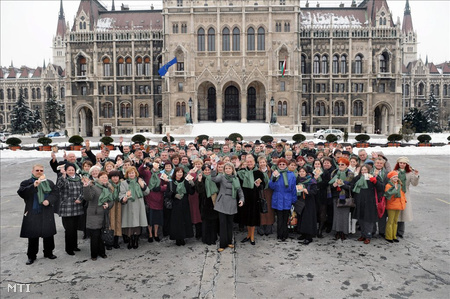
{"points": [[207, 102], [84, 122], [232, 107], [383, 120], [256, 99]]}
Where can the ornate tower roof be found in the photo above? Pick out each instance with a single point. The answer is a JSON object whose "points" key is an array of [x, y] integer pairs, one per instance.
{"points": [[407, 25], [61, 28]]}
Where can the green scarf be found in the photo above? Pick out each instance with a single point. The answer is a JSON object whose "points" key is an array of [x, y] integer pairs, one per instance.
{"points": [[285, 177], [155, 181], [248, 180], [185, 168], [360, 184], [84, 173], [74, 179], [106, 194], [319, 179], [381, 173], [136, 191], [392, 191], [266, 179], [402, 178], [210, 186], [43, 188], [339, 175], [116, 190], [181, 189], [235, 185]]}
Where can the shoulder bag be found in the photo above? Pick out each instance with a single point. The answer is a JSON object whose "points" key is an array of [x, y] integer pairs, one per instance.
{"points": [[381, 204], [168, 201], [348, 202], [107, 233]]}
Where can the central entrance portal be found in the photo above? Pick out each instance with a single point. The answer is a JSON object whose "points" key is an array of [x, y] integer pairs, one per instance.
{"points": [[231, 111]]}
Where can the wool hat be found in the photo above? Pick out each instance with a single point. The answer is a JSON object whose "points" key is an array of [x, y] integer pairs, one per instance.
{"points": [[368, 161], [403, 159], [392, 174]]}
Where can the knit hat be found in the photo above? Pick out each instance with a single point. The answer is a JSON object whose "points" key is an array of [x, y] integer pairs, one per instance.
{"points": [[403, 159], [392, 174], [368, 161]]}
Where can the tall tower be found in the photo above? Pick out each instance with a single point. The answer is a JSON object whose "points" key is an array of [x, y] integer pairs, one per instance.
{"points": [[409, 37], [59, 47]]}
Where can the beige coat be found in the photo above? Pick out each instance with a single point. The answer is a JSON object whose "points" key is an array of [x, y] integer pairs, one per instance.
{"points": [[407, 213]]}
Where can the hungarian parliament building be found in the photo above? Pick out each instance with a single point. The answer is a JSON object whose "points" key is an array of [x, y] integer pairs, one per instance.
{"points": [[350, 67]]}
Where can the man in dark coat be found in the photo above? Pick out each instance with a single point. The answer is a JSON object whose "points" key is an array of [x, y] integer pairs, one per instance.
{"points": [[38, 221]]}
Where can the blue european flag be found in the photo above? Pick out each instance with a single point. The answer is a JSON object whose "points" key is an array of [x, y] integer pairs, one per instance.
{"points": [[163, 70]]}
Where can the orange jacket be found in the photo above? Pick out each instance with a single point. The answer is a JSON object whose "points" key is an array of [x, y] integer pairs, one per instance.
{"points": [[395, 203]]}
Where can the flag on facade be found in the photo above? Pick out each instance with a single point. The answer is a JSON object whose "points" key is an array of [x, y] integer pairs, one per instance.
{"points": [[163, 70], [284, 67]]}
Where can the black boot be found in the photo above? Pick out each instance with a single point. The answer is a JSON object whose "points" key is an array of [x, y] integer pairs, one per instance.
{"points": [[320, 232], [198, 231], [126, 239], [136, 241], [130, 242], [116, 242]]}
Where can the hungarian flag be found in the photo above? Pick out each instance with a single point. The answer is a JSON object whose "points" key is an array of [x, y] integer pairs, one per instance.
{"points": [[284, 68]]}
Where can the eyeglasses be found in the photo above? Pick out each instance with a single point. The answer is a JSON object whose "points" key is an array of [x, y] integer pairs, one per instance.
{"points": [[39, 170], [282, 164]]}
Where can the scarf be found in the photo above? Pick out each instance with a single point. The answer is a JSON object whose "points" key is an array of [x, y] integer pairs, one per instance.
{"points": [[43, 189], [346, 178], [76, 178], [285, 177], [84, 173], [319, 179], [181, 189], [392, 191], [248, 180], [402, 178], [266, 178], [155, 181], [235, 185], [360, 184], [339, 175], [210, 186], [116, 190], [185, 167], [306, 181], [136, 191], [106, 194]]}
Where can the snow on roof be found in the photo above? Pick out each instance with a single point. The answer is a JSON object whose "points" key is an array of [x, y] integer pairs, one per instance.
{"points": [[328, 18], [105, 23]]}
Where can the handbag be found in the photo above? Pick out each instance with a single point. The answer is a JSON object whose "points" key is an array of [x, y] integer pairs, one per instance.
{"points": [[381, 204], [263, 209], [292, 221], [349, 202], [299, 205], [107, 233], [168, 201]]}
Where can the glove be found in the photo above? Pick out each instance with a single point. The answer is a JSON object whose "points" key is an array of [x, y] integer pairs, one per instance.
{"points": [[373, 180], [178, 196], [191, 183]]}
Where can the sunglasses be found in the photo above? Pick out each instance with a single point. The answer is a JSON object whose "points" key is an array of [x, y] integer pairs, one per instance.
{"points": [[39, 170], [342, 164], [282, 164]]}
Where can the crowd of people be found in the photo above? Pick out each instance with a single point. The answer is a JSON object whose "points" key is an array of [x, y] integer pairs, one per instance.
{"points": [[205, 190]]}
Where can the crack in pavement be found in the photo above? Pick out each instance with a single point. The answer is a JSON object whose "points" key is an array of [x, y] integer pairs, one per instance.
{"points": [[203, 271], [434, 274]]}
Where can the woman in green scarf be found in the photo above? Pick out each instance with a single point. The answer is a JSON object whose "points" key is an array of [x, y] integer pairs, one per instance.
{"points": [[267, 219], [207, 194], [131, 195], [99, 194], [364, 187], [115, 214], [180, 219]]}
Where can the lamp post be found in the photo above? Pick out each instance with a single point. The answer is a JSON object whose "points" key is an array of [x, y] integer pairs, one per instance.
{"points": [[272, 103], [190, 110]]}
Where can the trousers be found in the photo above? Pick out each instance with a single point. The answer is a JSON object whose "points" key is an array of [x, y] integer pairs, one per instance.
{"points": [[70, 225], [391, 225], [33, 247]]}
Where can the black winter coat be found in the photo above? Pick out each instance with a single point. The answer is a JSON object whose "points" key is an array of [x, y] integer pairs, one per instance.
{"points": [[38, 220]]}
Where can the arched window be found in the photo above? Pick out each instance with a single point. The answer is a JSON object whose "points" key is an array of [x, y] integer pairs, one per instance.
{"points": [[320, 109], [49, 92], [335, 68], [236, 39], [211, 40], [13, 93], [201, 39], [38, 91], [339, 108], [2, 95], [303, 64], [82, 66], [358, 108], [183, 108], [159, 109], [251, 39], [120, 67], [280, 108], [421, 89], [444, 91], [107, 110], [343, 64], [226, 39], [33, 93], [358, 64], [406, 91], [147, 66], [324, 64], [287, 27], [125, 110], [9, 93], [261, 39], [316, 64], [304, 109], [62, 92], [384, 63], [1, 119], [128, 63], [143, 110], [431, 88], [106, 67], [178, 109], [139, 66], [25, 93], [436, 90]]}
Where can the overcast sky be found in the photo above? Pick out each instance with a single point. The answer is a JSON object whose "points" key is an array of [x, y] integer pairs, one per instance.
{"points": [[27, 27]]}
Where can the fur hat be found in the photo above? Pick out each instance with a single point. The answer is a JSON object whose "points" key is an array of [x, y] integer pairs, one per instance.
{"points": [[403, 159]]}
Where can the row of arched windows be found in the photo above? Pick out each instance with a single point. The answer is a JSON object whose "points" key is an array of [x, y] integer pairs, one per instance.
{"points": [[35, 93], [124, 66], [339, 64], [180, 109], [125, 110], [434, 89], [206, 40], [320, 108]]}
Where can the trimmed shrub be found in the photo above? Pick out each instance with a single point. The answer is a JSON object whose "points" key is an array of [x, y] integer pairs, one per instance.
{"points": [[138, 138], [266, 138], [44, 140], [165, 139], [106, 140], [394, 137], [76, 140], [299, 138], [13, 141], [448, 138], [362, 138], [331, 138], [200, 138], [234, 136], [424, 138]]}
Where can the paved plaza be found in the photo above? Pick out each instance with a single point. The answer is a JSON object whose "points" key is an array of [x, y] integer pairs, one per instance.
{"points": [[417, 267]]}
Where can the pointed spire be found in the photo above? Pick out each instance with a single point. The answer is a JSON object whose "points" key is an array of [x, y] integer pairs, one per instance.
{"points": [[113, 7], [407, 25], [43, 67], [61, 12], [12, 64], [407, 8], [426, 60]]}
